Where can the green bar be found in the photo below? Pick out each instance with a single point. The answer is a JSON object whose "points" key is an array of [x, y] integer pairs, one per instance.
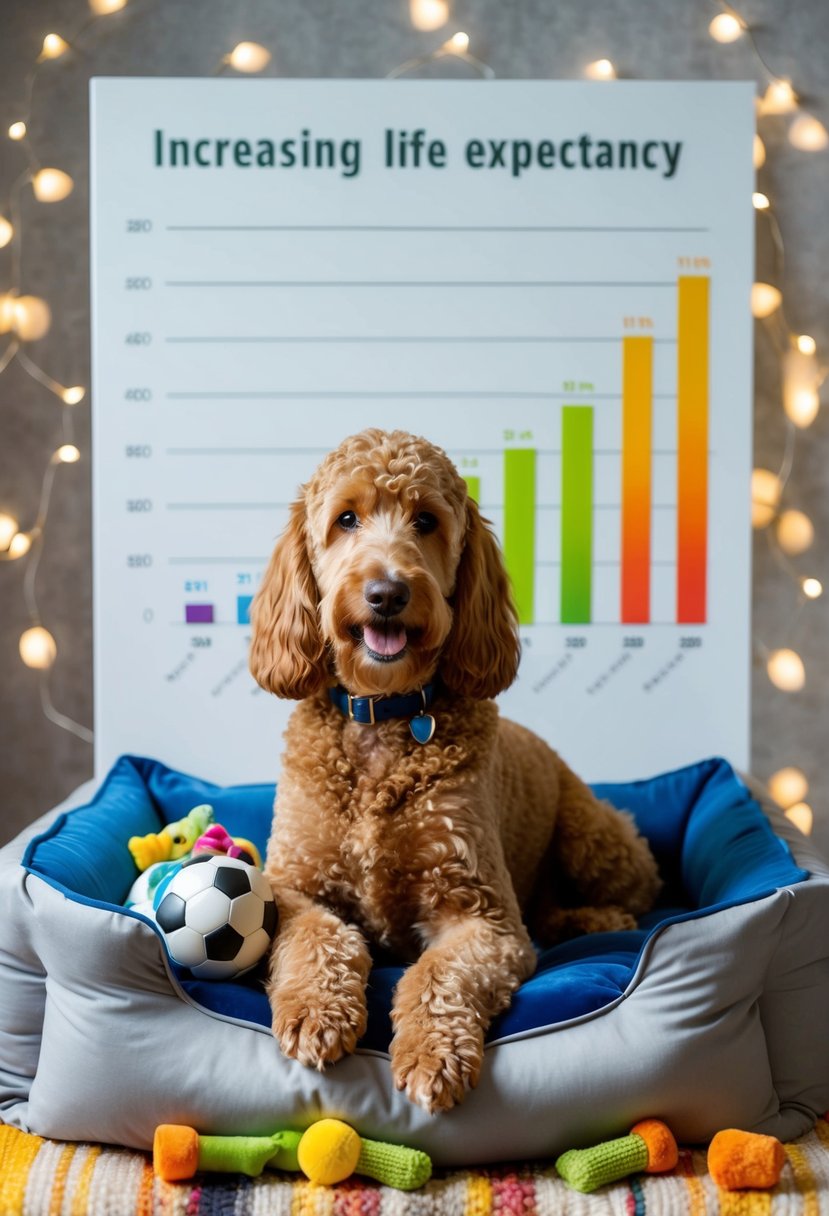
{"points": [[473, 488], [519, 528], [576, 513]]}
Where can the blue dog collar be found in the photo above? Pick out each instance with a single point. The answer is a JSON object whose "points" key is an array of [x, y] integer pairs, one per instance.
{"points": [[371, 710]]}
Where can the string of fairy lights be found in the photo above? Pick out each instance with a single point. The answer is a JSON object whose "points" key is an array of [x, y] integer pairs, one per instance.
{"points": [[25, 319]]}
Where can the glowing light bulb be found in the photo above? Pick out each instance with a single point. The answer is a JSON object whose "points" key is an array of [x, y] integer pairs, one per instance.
{"points": [[725, 28], [249, 57], [779, 98], [38, 648], [53, 47], [8, 528], [795, 532], [68, 454], [759, 152], [20, 544], [766, 489], [101, 7], [808, 134], [71, 396], [428, 14], [812, 588], [806, 344], [788, 785], [6, 312], [52, 185], [801, 376], [458, 44], [760, 202], [32, 317], [786, 671], [765, 298], [17, 130], [802, 406], [6, 232], [802, 817], [600, 69]]}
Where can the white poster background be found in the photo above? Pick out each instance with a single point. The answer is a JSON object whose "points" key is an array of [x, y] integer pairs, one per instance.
{"points": [[246, 318]]}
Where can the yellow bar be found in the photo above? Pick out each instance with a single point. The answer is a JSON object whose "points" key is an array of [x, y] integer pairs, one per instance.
{"points": [[692, 455], [637, 430]]}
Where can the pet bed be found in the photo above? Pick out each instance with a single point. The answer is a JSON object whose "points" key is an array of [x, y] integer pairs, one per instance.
{"points": [[710, 1015]]}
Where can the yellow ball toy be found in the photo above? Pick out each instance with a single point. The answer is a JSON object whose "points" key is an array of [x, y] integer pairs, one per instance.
{"points": [[329, 1151]]}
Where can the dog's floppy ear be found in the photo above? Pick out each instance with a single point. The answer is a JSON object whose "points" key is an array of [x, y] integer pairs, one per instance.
{"points": [[287, 653], [480, 658]]}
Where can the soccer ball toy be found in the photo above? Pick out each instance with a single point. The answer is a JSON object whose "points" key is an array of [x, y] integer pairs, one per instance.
{"points": [[218, 916]]}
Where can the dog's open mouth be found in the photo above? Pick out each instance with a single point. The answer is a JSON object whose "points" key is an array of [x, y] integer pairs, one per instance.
{"points": [[385, 642]]}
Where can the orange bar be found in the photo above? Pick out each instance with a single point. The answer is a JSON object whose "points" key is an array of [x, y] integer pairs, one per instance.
{"points": [[637, 428], [692, 455]]}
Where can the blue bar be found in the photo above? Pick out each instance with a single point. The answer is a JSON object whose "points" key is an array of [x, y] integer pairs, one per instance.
{"points": [[243, 603]]}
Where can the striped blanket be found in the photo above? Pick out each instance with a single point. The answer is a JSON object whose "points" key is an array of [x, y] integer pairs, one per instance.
{"points": [[46, 1178]]}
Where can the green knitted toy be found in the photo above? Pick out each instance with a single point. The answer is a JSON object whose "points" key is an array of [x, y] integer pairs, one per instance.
{"points": [[328, 1152], [650, 1147]]}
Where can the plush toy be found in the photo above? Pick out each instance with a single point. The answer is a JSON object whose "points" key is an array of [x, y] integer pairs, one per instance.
{"points": [[745, 1160], [217, 842], [160, 853], [172, 842], [328, 1152], [650, 1147], [736, 1160]]}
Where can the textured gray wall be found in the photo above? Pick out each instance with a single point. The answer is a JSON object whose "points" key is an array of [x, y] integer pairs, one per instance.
{"points": [[647, 39]]}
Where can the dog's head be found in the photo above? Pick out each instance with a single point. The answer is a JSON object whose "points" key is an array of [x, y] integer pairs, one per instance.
{"points": [[385, 576]]}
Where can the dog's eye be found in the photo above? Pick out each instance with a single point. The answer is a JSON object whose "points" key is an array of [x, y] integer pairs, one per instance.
{"points": [[348, 521], [425, 523]]}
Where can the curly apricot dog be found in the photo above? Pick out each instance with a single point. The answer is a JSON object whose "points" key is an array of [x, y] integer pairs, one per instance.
{"points": [[427, 833]]}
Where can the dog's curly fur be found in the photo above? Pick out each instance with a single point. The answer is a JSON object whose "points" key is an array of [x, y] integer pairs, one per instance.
{"points": [[433, 851]]}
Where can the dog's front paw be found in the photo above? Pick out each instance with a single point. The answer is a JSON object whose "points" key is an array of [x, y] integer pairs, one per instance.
{"points": [[436, 1063], [315, 1032]]}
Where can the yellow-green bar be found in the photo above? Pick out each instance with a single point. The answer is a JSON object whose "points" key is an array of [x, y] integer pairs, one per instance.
{"points": [[576, 513], [519, 528], [473, 488]]}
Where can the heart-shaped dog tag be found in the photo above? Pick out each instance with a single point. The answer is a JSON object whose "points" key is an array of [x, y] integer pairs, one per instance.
{"points": [[422, 727]]}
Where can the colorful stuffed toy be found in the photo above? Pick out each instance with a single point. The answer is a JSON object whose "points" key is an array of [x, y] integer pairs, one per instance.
{"points": [[173, 842], [327, 1153], [650, 1147], [158, 854], [736, 1160], [217, 842]]}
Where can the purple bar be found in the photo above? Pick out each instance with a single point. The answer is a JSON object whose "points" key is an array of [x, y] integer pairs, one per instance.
{"points": [[198, 614]]}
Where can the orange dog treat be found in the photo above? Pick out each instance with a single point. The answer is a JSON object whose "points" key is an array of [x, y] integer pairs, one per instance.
{"points": [[740, 1160]]}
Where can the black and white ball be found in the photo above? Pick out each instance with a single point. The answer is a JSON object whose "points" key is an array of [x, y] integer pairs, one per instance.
{"points": [[218, 916]]}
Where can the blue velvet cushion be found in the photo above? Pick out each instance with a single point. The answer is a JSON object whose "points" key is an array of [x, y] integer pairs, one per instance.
{"points": [[713, 843]]}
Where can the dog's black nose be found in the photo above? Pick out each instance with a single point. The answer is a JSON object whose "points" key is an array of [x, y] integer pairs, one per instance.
{"points": [[387, 596]]}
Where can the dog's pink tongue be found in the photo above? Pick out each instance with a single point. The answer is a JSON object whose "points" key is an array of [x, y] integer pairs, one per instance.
{"points": [[387, 641]]}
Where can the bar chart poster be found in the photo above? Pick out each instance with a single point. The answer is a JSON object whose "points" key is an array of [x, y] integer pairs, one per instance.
{"points": [[548, 280]]}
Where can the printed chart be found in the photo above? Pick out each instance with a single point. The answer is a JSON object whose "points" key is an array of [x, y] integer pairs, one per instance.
{"points": [[536, 276]]}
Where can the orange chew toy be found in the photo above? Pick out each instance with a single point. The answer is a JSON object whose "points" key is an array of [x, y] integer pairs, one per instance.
{"points": [[663, 1153], [745, 1160]]}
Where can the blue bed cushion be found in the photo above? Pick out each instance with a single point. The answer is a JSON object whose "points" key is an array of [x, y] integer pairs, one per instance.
{"points": [[713, 843]]}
